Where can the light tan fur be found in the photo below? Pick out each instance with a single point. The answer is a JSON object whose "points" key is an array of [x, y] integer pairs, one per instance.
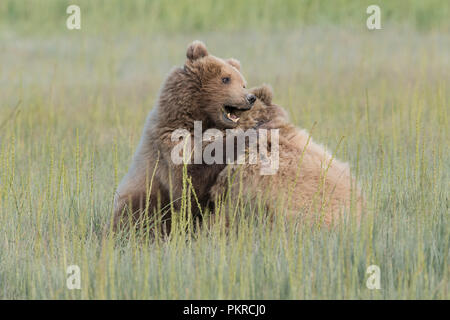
{"points": [[309, 181]]}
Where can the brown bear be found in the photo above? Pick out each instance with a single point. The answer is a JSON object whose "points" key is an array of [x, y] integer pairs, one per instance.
{"points": [[309, 181], [207, 89]]}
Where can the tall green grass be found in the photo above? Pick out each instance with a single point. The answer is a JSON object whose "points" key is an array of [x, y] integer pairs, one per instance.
{"points": [[72, 108], [173, 16]]}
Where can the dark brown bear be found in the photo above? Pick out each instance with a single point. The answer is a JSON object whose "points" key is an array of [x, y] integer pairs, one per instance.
{"points": [[207, 89]]}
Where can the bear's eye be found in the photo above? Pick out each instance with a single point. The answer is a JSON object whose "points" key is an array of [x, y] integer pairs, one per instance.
{"points": [[226, 80]]}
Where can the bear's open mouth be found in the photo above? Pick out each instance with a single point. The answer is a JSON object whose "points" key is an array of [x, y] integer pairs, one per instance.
{"points": [[231, 113]]}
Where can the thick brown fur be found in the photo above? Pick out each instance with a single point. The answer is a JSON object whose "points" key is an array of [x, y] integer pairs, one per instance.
{"points": [[310, 184], [194, 92]]}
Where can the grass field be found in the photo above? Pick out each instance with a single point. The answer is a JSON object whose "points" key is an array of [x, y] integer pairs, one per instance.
{"points": [[73, 103]]}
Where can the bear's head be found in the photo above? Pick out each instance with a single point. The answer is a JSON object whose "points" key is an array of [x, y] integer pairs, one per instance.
{"points": [[222, 95], [264, 112]]}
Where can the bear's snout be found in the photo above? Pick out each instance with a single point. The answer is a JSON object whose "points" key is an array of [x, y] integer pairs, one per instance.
{"points": [[251, 98]]}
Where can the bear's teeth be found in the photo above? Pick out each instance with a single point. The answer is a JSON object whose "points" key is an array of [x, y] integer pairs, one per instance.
{"points": [[232, 117]]}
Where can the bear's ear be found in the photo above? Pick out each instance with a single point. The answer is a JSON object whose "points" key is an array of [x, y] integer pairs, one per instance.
{"points": [[263, 93], [196, 50], [235, 63]]}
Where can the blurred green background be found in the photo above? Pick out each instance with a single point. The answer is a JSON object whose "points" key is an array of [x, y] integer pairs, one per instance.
{"points": [[186, 16]]}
